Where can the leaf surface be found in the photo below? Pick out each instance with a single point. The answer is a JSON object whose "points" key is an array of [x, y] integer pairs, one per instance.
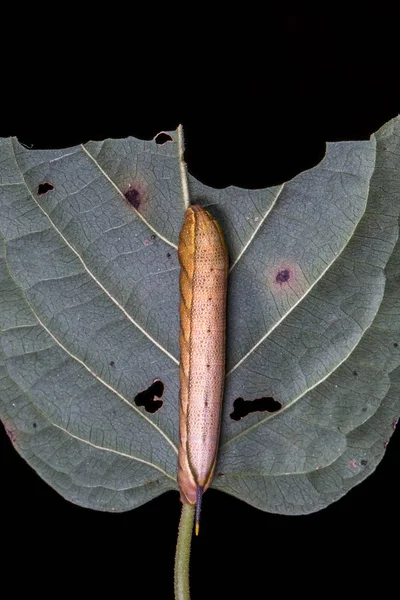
{"points": [[89, 317]]}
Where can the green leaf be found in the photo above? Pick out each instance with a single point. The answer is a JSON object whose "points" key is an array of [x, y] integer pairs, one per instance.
{"points": [[89, 317]]}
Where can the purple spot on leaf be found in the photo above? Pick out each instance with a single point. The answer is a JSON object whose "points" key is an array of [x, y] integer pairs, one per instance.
{"points": [[133, 197], [283, 276]]}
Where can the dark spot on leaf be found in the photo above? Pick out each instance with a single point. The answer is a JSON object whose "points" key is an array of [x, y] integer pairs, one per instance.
{"points": [[153, 236], [44, 188], [396, 345], [364, 409], [364, 462], [133, 197], [34, 425], [283, 276], [112, 363], [168, 255], [163, 138], [243, 407], [147, 398], [355, 373]]}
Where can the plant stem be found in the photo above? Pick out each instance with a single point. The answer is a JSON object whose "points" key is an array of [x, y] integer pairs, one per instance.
{"points": [[182, 555]]}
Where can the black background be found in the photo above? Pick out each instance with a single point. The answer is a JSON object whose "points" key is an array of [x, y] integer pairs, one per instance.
{"points": [[257, 102]]}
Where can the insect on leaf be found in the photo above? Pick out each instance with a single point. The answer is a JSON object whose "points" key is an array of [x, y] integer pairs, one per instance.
{"points": [[89, 298]]}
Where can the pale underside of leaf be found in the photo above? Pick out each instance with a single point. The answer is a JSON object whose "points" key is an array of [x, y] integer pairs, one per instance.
{"points": [[89, 296]]}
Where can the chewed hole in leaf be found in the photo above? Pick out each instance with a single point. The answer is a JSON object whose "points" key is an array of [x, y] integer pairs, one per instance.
{"points": [[162, 138], [241, 407], [44, 188], [147, 398]]}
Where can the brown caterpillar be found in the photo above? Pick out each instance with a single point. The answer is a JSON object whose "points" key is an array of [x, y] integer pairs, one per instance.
{"points": [[203, 257]]}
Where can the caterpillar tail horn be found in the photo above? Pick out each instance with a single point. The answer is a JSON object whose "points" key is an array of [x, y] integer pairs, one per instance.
{"points": [[199, 497]]}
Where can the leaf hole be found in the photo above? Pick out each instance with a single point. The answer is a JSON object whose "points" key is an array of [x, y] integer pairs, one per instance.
{"points": [[147, 398], [241, 407], [168, 255], [44, 188], [364, 462], [395, 345], [162, 138], [34, 425], [112, 363]]}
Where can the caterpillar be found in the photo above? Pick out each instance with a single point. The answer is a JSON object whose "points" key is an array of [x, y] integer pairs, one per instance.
{"points": [[203, 280]]}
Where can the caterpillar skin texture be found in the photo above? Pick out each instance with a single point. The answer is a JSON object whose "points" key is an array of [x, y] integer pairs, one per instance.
{"points": [[203, 257]]}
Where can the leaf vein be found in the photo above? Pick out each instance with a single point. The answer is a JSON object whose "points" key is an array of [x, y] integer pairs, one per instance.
{"points": [[89, 272], [259, 225]]}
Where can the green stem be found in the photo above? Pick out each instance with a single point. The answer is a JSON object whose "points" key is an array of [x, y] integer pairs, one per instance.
{"points": [[182, 555]]}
